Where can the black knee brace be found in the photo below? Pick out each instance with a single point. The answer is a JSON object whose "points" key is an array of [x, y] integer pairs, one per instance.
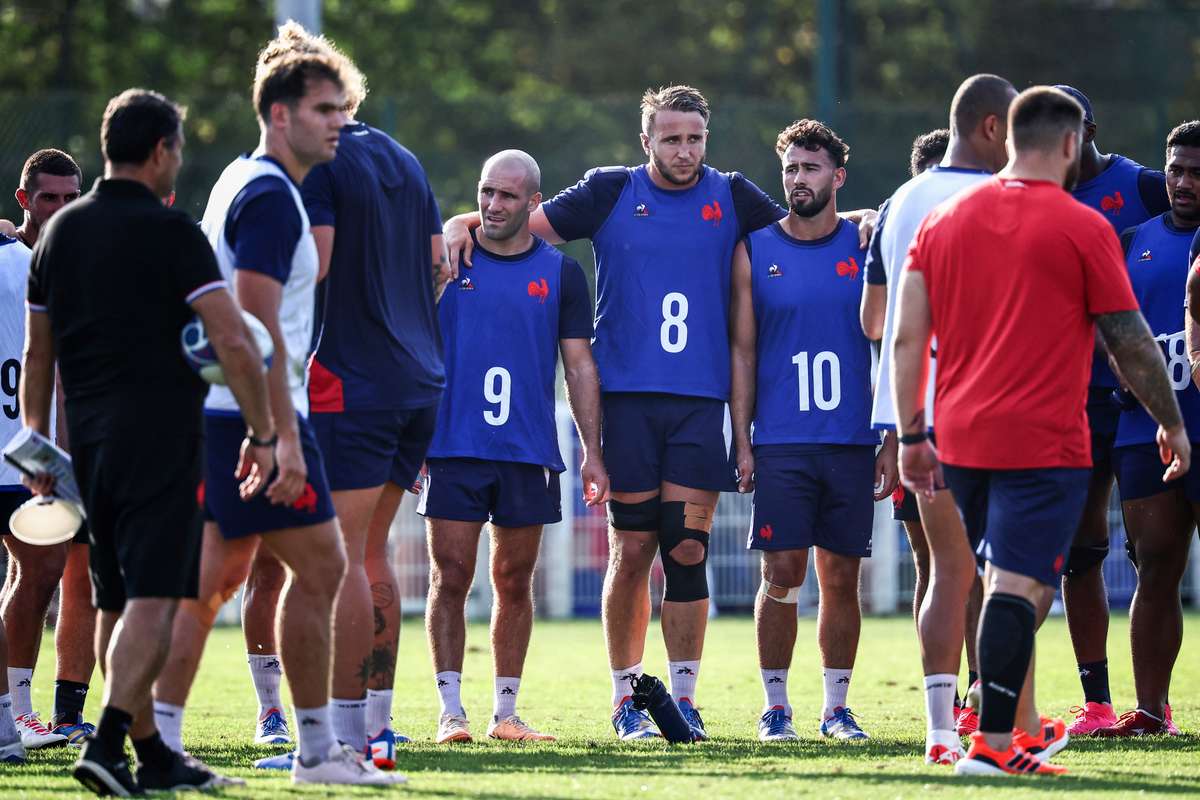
{"points": [[641, 516], [1084, 558], [679, 522]]}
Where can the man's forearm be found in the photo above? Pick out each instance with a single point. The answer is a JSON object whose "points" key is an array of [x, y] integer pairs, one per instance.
{"points": [[908, 385], [742, 397], [583, 398], [468, 218], [37, 391], [1141, 363], [244, 376]]}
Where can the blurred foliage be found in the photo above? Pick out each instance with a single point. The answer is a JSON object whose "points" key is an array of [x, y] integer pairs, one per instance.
{"points": [[458, 79]]}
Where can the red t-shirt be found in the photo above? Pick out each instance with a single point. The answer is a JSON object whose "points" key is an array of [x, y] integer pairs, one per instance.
{"points": [[1016, 271]]}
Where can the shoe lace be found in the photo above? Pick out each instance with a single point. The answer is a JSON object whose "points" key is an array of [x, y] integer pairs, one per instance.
{"points": [[34, 723], [846, 717], [1127, 717], [776, 721]]}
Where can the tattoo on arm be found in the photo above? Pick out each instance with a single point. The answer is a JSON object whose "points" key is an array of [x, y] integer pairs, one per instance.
{"points": [[1141, 363]]}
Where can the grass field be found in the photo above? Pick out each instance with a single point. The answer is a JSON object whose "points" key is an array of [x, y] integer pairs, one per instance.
{"points": [[566, 689]]}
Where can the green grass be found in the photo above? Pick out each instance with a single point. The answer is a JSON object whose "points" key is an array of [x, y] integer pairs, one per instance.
{"points": [[566, 691]]}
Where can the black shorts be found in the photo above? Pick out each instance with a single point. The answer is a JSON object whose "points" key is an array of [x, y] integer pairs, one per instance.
{"points": [[140, 493], [1103, 413], [11, 500]]}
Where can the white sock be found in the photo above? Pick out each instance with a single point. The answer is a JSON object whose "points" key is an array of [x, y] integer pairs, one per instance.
{"points": [[775, 689], [449, 686], [506, 697], [20, 684], [316, 734], [379, 710], [8, 731], [623, 682], [350, 721], [265, 671], [837, 683], [939, 701], [169, 720], [683, 679]]}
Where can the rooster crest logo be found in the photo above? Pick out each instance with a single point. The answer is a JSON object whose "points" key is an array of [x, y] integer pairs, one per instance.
{"points": [[1112, 203], [848, 269], [712, 213], [540, 290]]}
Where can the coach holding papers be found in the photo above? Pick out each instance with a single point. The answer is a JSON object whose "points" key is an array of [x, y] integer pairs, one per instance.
{"points": [[111, 285]]}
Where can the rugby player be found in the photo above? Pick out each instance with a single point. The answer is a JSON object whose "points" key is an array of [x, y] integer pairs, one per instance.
{"points": [[374, 385], [1018, 462], [49, 180], [976, 149], [495, 456], [801, 380], [928, 149], [663, 235], [1126, 194], [259, 229], [1160, 518], [114, 278]]}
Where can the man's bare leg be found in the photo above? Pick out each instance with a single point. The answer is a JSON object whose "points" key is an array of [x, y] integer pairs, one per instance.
{"points": [[73, 637], [625, 601], [1085, 598], [385, 596], [514, 553], [839, 623], [260, 608], [452, 553], [33, 574], [775, 607]]}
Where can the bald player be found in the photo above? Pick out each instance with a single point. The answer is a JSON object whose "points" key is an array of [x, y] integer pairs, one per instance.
{"points": [[494, 456]]}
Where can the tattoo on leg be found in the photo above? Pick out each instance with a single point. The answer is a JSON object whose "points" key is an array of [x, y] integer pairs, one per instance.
{"points": [[380, 621], [382, 595], [383, 661]]}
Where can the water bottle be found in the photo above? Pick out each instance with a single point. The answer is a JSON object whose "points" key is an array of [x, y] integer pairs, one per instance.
{"points": [[651, 696]]}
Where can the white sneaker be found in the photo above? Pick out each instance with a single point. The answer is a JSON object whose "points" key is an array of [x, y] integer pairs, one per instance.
{"points": [[35, 735], [943, 747], [345, 765], [453, 728], [13, 752]]}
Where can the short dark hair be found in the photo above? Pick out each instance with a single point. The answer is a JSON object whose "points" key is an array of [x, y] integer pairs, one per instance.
{"points": [[928, 148], [1185, 134], [287, 65], [812, 135], [48, 162], [671, 98], [977, 98], [135, 121], [1040, 116]]}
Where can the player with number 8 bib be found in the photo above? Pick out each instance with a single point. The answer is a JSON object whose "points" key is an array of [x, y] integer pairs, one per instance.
{"points": [[663, 235]]}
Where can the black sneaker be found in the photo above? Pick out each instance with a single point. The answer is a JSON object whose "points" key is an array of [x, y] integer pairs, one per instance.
{"points": [[181, 773], [105, 774]]}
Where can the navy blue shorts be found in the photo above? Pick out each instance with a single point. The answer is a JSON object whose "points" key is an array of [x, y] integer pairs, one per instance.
{"points": [[904, 502], [1140, 470], [236, 518], [806, 495], [364, 449], [508, 493], [650, 438], [1021, 520], [1103, 413]]}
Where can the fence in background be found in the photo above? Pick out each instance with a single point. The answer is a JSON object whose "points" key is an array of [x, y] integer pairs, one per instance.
{"points": [[570, 571]]}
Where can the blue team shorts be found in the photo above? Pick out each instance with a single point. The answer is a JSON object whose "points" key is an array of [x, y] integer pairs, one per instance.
{"points": [[364, 449], [1021, 520], [807, 495], [904, 502], [650, 438], [1103, 413], [1139, 474], [237, 519], [508, 493]]}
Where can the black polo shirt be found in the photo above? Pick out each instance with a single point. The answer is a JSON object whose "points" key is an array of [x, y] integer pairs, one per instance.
{"points": [[116, 271]]}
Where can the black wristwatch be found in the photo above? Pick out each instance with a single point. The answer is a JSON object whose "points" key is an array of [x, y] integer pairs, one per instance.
{"points": [[914, 438], [256, 442]]}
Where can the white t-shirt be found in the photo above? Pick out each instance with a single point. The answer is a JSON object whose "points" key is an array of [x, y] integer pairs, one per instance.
{"points": [[907, 208]]}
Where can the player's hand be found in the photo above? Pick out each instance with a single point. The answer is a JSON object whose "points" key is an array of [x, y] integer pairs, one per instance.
{"points": [[41, 484], [254, 468], [745, 471], [1175, 451], [8, 229], [867, 221], [595, 481], [457, 237], [920, 470], [293, 472], [887, 468], [419, 483]]}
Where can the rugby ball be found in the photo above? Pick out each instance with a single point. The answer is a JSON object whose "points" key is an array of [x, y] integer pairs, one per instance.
{"points": [[198, 352]]}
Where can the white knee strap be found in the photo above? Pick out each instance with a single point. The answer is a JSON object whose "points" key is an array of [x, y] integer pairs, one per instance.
{"points": [[791, 596]]}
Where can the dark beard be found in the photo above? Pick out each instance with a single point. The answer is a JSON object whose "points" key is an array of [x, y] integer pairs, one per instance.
{"points": [[668, 177], [813, 207]]}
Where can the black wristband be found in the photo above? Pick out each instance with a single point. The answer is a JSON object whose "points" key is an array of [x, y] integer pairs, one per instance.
{"points": [[255, 441], [914, 438]]}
